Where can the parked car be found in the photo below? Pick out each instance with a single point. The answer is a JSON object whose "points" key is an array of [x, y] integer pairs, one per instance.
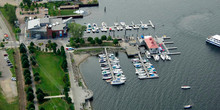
{"points": [[11, 66], [5, 55], [13, 78]]}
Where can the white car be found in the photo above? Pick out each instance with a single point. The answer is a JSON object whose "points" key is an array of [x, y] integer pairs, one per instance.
{"points": [[13, 78]]}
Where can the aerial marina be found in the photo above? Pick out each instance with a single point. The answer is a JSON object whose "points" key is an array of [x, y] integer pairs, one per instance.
{"points": [[117, 26]]}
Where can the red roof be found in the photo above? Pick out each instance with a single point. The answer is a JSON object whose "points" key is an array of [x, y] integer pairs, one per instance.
{"points": [[150, 42]]}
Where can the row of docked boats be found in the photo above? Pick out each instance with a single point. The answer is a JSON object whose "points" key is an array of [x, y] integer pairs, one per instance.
{"points": [[117, 27], [163, 56], [144, 70], [111, 69]]}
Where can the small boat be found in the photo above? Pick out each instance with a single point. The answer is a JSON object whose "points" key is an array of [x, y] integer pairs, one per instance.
{"points": [[111, 29], [162, 56], [156, 57], [134, 59], [117, 71], [117, 81], [187, 106], [102, 56], [123, 24], [106, 72], [144, 26], [120, 28], [102, 61], [104, 29], [103, 64], [128, 27], [106, 76], [105, 68], [167, 57], [104, 24], [116, 66], [136, 27], [148, 54], [185, 87], [142, 77]]}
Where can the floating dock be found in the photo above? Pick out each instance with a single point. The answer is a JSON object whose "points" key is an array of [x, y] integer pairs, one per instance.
{"points": [[174, 53], [171, 48], [109, 64], [171, 42], [142, 63], [152, 25]]}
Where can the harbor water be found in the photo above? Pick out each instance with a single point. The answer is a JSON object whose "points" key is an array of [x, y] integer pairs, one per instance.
{"points": [[188, 23]]}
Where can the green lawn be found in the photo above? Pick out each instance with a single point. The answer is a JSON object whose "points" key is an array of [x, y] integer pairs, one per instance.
{"points": [[67, 12], [11, 58], [55, 104], [50, 72], [4, 105], [96, 50], [51, 76]]}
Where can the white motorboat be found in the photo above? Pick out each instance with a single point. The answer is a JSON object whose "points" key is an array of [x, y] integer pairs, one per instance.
{"points": [[162, 56], [102, 55], [123, 77], [105, 68], [128, 27], [104, 24], [167, 57], [148, 54], [123, 24], [152, 76], [187, 106], [117, 81], [104, 29], [117, 71], [106, 72], [120, 28], [144, 26], [142, 77], [116, 66], [106, 76], [134, 59], [185, 87], [136, 27], [156, 57], [214, 40]]}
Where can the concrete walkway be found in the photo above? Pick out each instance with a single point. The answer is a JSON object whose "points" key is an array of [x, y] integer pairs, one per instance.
{"points": [[50, 97], [77, 93]]}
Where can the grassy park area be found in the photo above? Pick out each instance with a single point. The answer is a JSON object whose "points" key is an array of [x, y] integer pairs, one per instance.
{"points": [[4, 105], [49, 68], [11, 58]]}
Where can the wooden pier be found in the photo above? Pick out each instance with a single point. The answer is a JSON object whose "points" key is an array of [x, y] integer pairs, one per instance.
{"points": [[171, 48], [174, 53], [142, 63], [171, 42], [109, 64], [151, 24]]}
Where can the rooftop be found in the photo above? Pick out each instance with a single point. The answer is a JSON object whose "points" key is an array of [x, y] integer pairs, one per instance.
{"points": [[151, 43]]}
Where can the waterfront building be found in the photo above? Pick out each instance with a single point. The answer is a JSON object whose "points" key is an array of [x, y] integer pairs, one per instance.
{"points": [[151, 44], [42, 28]]}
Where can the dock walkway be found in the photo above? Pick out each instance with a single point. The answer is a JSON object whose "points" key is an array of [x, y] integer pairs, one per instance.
{"points": [[109, 64]]}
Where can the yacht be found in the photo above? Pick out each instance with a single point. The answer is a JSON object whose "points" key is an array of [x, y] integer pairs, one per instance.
{"points": [[123, 77], [144, 26], [128, 27], [106, 72], [156, 57], [167, 57], [162, 56], [136, 27], [187, 106], [102, 56], [116, 66], [120, 28], [214, 40], [142, 77], [123, 24], [185, 87], [106, 76], [104, 29], [117, 81], [117, 71], [152, 75], [148, 54], [103, 64], [105, 68]]}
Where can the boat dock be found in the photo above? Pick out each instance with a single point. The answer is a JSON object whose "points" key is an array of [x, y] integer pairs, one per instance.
{"points": [[171, 42], [171, 48], [109, 64], [151, 24], [174, 53], [145, 69]]}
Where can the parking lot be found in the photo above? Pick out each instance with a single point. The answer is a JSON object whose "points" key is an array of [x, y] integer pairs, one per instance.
{"points": [[7, 83]]}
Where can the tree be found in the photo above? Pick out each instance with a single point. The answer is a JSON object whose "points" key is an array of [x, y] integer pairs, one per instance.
{"points": [[0, 74], [26, 71], [22, 48], [25, 64], [76, 30], [64, 65], [27, 76], [21, 5], [40, 97], [39, 91], [63, 51], [33, 63], [31, 44], [26, 8], [28, 81], [2, 45], [36, 74], [69, 100], [36, 78], [42, 108], [115, 41], [92, 41], [103, 37], [31, 106], [99, 41], [89, 39], [30, 96], [81, 41], [96, 39], [109, 38], [17, 30], [29, 89], [72, 43], [58, 52]]}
